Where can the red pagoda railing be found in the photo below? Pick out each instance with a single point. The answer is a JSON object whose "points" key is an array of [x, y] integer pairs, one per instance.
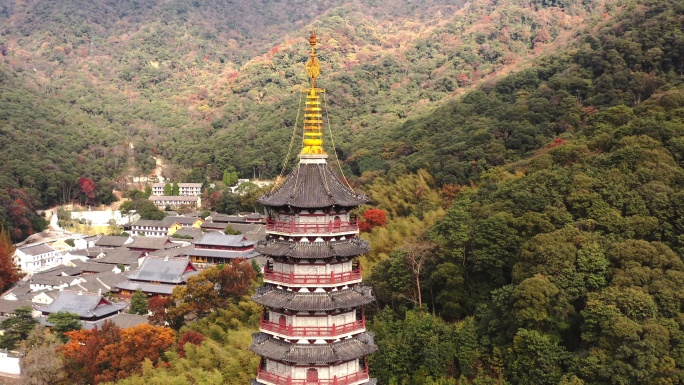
{"points": [[280, 380], [311, 228], [312, 331], [291, 278]]}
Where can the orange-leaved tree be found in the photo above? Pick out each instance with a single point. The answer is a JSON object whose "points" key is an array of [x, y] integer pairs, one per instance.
{"points": [[110, 354], [8, 269], [81, 353], [119, 360]]}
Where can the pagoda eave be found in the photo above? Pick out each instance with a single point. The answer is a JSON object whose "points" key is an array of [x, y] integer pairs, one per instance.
{"points": [[346, 350], [317, 250], [275, 298]]}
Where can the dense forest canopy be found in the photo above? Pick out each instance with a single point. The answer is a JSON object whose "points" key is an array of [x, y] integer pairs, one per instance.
{"points": [[532, 228], [99, 90]]}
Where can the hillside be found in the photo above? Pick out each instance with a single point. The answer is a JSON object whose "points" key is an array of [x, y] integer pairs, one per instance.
{"points": [[534, 217], [209, 86]]}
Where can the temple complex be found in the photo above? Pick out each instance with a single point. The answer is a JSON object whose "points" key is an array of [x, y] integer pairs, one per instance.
{"points": [[313, 329]]}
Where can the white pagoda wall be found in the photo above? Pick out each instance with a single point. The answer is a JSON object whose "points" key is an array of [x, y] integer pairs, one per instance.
{"points": [[319, 217], [318, 269], [322, 320], [324, 372]]}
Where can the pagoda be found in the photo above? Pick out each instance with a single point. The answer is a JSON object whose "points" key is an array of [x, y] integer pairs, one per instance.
{"points": [[313, 329]]}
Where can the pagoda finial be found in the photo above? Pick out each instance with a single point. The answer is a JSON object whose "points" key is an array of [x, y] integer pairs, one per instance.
{"points": [[313, 116], [313, 66]]}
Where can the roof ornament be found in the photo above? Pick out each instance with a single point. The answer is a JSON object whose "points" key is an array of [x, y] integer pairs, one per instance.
{"points": [[313, 114]]}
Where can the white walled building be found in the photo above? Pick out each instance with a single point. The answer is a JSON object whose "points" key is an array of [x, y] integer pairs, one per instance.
{"points": [[36, 257], [162, 201], [184, 189]]}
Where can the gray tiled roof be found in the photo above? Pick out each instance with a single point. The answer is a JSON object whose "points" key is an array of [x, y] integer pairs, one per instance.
{"points": [[166, 270], [122, 256], [108, 278], [189, 232], [348, 248], [182, 220], [91, 267], [228, 254], [38, 249], [150, 223], [19, 290], [213, 225], [125, 320], [312, 185], [90, 252], [50, 280], [225, 218], [111, 241], [271, 297], [8, 307], [61, 270], [151, 243], [306, 354], [90, 287], [220, 239], [175, 252], [86, 305], [146, 287]]}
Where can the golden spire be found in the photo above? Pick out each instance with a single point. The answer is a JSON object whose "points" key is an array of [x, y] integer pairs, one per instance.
{"points": [[313, 114]]}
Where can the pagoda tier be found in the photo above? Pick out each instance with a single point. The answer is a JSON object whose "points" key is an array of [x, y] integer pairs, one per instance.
{"points": [[326, 326], [311, 354], [316, 250], [274, 298], [313, 185]]}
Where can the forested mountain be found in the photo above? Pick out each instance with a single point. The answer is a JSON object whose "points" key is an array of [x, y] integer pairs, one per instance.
{"points": [[210, 85], [534, 206]]}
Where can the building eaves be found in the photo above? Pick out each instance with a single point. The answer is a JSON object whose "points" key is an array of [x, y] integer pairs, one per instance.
{"points": [[311, 354], [274, 298], [312, 186]]}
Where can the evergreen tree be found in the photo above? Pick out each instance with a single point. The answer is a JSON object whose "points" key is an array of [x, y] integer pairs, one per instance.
{"points": [[138, 303], [17, 328], [64, 322]]}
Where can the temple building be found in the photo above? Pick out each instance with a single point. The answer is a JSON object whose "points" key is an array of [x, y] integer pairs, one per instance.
{"points": [[313, 329]]}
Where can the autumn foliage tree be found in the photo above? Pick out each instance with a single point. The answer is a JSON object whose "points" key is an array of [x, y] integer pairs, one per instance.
{"points": [[189, 337], [81, 353], [157, 306], [87, 188], [372, 218], [8, 269], [211, 289], [96, 356]]}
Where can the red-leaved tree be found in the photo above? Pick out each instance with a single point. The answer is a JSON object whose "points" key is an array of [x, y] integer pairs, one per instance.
{"points": [[158, 307], [87, 188], [189, 337], [81, 353], [373, 218]]}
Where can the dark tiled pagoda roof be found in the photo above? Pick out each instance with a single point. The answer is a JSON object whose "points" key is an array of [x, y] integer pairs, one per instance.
{"points": [[318, 250], [273, 298], [341, 351], [312, 185]]}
